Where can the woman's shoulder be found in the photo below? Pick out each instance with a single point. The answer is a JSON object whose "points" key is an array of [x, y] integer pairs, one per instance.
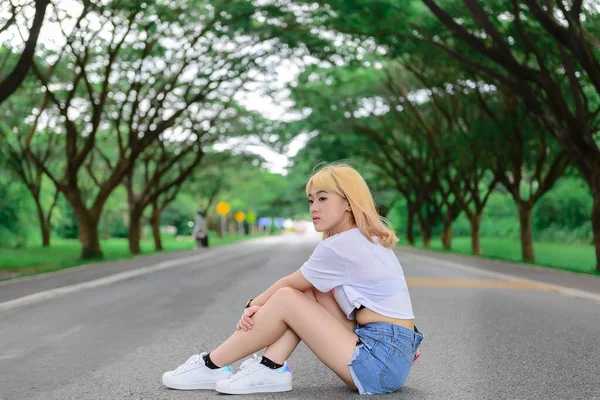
{"points": [[351, 235], [354, 244], [351, 239]]}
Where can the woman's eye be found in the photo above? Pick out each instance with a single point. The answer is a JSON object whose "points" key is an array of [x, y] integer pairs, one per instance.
{"points": [[310, 202], [322, 198]]}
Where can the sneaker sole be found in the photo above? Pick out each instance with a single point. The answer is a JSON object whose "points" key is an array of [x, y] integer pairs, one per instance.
{"points": [[195, 386], [285, 387]]}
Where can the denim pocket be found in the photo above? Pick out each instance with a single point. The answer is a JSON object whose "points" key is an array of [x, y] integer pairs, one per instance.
{"points": [[395, 371]]}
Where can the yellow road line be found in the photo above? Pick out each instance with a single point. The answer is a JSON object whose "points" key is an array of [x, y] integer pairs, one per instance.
{"points": [[476, 283]]}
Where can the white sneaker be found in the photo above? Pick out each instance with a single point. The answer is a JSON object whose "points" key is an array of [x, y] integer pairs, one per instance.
{"points": [[193, 374], [253, 377]]}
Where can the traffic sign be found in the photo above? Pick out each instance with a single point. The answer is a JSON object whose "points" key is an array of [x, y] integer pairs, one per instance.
{"points": [[264, 221], [240, 216], [223, 208], [251, 217]]}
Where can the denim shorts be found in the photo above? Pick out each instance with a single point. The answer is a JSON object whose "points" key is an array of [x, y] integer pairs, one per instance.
{"points": [[383, 357]]}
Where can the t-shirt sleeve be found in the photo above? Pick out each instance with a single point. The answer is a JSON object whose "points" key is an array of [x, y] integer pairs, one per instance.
{"points": [[325, 269]]}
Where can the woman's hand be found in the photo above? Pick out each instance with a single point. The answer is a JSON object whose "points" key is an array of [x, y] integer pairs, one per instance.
{"points": [[245, 323]]}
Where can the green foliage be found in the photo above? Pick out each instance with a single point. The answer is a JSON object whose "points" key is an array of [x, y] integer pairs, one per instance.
{"points": [[115, 216], [64, 253], [180, 213], [372, 63], [566, 256], [17, 213], [563, 215], [65, 224]]}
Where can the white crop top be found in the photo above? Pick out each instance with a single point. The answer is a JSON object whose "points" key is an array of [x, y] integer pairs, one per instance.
{"points": [[359, 273]]}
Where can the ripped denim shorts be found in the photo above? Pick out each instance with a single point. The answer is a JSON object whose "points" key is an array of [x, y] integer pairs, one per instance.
{"points": [[383, 357]]}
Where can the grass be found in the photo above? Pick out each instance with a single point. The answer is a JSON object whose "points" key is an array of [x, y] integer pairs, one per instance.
{"points": [[64, 253], [571, 257]]}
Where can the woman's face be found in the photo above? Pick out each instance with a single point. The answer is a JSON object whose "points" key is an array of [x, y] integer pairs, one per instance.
{"points": [[329, 211]]}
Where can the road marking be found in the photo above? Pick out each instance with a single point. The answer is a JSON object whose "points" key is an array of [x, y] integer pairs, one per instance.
{"points": [[75, 269], [566, 291], [107, 280], [214, 250], [475, 283]]}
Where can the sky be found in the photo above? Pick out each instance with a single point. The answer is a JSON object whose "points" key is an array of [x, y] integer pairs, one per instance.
{"points": [[275, 110]]}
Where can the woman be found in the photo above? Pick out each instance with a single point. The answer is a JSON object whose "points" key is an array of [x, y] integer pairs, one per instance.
{"points": [[349, 303]]}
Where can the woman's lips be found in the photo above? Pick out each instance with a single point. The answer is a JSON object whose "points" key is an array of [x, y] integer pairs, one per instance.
{"points": [[316, 219]]}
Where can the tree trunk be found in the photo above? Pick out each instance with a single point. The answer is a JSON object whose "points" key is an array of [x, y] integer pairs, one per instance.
{"points": [[45, 235], [155, 221], [410, 227], [596, 224], [88, 235], [135, 229], [44, 226], [527, 253], [425, 232], [475, 237], [447, 233], [426, 236]]}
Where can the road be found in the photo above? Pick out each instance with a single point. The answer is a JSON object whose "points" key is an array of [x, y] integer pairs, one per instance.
{"points": [[492, 330]]}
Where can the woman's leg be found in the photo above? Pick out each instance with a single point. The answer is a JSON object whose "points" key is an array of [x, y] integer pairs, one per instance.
{"points": [[328, 338], [286, 344]]}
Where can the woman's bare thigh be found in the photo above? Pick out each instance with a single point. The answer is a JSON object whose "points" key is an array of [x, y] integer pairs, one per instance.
{"points": [[330, 304], [328, 338]]}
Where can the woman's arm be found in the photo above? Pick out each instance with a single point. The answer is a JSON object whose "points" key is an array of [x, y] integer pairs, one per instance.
{"points": [[295, 280]]}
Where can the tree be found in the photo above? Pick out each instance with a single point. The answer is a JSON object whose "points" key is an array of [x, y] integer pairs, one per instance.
{"points": [[14, 131], [527, 160], [546, 53], [167, 164], [561, 73], [141, 70]]}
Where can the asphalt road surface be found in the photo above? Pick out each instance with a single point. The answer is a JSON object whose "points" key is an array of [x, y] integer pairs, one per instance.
{"points": [[492, 330]]}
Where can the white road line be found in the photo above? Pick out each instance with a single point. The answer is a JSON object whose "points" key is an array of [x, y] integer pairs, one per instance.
{"points": [[214, 250], [118, 277], [567, 291], [74, 269]]}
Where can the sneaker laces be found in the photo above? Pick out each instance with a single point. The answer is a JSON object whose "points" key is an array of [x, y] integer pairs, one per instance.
{"points": [[192, 362], [246, 364]]}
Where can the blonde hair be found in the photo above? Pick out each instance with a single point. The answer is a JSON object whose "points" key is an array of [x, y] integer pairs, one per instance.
{"points": [[344, 180]]}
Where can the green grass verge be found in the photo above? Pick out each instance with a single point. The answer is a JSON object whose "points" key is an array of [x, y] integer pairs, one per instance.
{"points": [[64, 253], [570, 257]]}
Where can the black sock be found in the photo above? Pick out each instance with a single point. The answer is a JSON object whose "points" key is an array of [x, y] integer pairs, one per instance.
{"points": [[270, 364], [208, 362]]}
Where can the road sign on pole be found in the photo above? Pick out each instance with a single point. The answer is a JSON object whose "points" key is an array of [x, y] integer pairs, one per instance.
{"points": [[251, 220], [240, 216], [223, 208]]}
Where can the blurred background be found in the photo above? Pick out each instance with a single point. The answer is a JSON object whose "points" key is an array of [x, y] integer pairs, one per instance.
{"points": [[475, 123]]}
